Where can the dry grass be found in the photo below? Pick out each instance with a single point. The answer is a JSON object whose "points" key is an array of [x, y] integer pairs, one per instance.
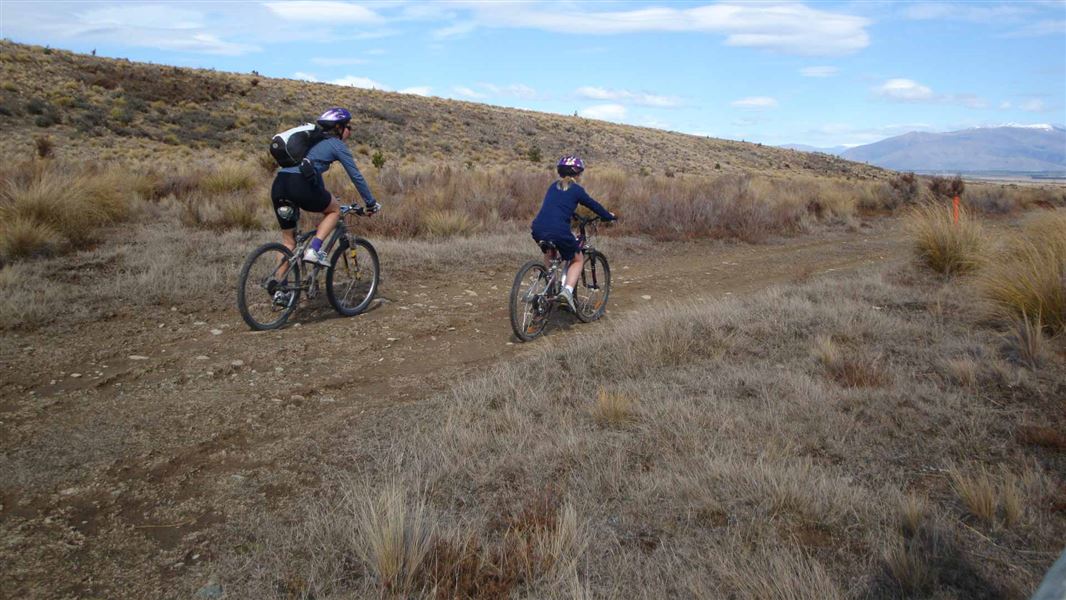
{"points": [[47, 206], [945, 246], [613, 409], [395, 536], [746, 473], [242, 211], [993, 499], [1026, 279], [849, 368], [231, 176]]}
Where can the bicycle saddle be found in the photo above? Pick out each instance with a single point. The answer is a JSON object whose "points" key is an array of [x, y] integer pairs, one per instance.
{"points": [[546, 245]]}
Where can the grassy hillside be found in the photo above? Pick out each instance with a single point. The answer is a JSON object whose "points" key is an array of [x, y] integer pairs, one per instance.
{"points": [[88, 102]]}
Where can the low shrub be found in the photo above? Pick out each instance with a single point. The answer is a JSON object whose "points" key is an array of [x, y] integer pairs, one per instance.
{"points": [[230, 176]]}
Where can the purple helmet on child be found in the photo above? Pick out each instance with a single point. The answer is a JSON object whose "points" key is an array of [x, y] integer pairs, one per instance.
{"points": [[334, 117], [570, 166]]}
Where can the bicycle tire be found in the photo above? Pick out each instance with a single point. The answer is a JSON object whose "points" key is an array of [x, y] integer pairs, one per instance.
{"points": [[340, 269], [255, 303], [595, 287], [528, 318]]}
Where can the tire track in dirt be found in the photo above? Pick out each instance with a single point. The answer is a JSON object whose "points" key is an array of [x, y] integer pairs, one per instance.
{"points": [[150, 457]]}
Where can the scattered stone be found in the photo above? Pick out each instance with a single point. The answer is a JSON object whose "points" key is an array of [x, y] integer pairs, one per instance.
{"points": [[646, 297], [297, 397], [75, 375], [216, 332], [393, 339], [199, 323], [173, 309], [451, 329], [279, 369], [211, 591], [138, 357], [69, 492], [238, 363], [201, 357], [471, 292]]}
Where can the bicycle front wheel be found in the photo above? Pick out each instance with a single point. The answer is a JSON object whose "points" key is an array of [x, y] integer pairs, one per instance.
{"points": [[591, 294], [268, 288], [530, 307], [352, 280]]}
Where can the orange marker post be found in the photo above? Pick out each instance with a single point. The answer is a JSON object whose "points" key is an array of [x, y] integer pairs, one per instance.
{"points": [[955, 209]]}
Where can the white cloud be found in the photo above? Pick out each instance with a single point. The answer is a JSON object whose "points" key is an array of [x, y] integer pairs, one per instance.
{"points": [[1033, 105], [1005, 105], [516, 90], [304, 76], [338, 62], [638, 98], [964, 11], [1038, 29], [755, 102], [467, 92], [421, 90], [604, 112], [360, 82], [786, 27], [324, 12], [148, 26], [819, 71], [904, 90]]}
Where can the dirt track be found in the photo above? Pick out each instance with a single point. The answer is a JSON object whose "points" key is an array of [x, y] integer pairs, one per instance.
{"points": [[128, 445]]}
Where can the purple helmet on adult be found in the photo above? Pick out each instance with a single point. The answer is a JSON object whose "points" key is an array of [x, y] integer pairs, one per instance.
{"points": [[570, 166], [334, 117]]}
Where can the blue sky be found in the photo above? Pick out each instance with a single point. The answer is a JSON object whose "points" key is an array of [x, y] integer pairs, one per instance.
{"points": [[818, 73]]}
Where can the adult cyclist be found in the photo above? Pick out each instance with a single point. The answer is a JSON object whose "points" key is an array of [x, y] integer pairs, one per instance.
{"points": [[303, 187], [552, 223]]}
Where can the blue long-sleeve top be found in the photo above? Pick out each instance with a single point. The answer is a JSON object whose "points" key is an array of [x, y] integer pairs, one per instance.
{"points": [[558, 208], [331, 149]]}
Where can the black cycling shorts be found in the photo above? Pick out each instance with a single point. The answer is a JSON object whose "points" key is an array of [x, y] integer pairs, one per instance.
{"points": [[565, 244], [295, 189]]}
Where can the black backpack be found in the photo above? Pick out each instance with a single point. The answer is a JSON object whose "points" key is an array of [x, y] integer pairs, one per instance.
{"points": [[291, 146]]}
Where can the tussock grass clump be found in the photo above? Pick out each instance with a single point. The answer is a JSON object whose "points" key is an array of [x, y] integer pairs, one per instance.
{"points": [[945, 246], [230, 176], [1026, 279], [851, 369], [990, 498], [243, 211], [395, 536], [47, 207], [613, 409], [448, 223]]}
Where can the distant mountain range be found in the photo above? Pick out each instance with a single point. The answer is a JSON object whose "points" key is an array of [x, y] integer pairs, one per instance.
{"points": [[1012, 148]]}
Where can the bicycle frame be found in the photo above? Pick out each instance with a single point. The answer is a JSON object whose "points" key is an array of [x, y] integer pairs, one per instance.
{"points": [[309, 285]]}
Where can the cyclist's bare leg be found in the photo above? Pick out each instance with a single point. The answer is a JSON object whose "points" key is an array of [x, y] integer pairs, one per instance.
{"points": [[329, 221], [573, 272], [288, 239]]}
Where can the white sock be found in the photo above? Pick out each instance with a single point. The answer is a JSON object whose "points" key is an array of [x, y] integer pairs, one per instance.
{"points": [[569, 288]]}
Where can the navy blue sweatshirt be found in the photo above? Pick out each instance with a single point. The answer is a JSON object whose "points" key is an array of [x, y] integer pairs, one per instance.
{"points": [[553, 220]]}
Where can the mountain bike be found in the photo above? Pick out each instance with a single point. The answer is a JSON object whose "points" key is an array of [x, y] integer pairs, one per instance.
{"points": [[536, 287], [273, 277]]}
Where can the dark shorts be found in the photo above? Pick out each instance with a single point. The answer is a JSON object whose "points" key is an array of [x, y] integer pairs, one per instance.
{"points": [[566, 244], [294, 189]]}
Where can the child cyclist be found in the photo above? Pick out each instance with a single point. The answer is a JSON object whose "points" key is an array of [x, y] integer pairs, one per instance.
{"points": [[552, 223], [306, 190]]}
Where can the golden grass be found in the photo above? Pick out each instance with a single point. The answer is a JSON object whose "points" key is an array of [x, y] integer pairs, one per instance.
{"points": [[909, 566], [993, 499], [231, 176], [448, 223], [47, 206], [613, 408], [396, 535], [241, 210], [1026, 279], [945, 246]]}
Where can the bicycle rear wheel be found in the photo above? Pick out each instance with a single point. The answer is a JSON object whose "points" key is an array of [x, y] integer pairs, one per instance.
{"points": [[529, 306], [264, 305], [591, 294], [352, 280]]}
